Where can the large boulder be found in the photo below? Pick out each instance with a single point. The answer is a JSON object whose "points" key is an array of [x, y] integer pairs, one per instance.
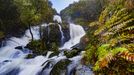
{"points": [[60, 68], [84, 42], [52, 34]]}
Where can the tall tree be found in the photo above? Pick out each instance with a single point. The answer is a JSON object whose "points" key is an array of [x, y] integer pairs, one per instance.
{"points": [[34, 12]]}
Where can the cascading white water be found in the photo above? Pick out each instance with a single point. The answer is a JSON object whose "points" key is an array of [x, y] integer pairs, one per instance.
{"points": [[12, 59], [57, 18], [76, 32], [62, 35]]}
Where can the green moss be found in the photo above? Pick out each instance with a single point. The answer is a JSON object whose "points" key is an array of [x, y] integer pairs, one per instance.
{"points": [[71, 53], [30, 56], [36, 47], [60, 67], [2, 35]]}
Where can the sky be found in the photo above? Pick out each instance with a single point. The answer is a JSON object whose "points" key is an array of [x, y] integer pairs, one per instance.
{"points": [[61, 4]]}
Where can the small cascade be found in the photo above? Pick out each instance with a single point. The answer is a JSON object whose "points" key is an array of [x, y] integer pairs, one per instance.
{"points": [[62, 34], [60, 28], [57, 18], [76, 32]]}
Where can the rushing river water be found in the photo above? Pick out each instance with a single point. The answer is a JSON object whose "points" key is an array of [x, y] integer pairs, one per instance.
{"points": [[13, 61]]}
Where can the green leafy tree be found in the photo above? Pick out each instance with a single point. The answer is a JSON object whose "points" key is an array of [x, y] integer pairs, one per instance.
{"points": [[9, 19], [34, 12]]}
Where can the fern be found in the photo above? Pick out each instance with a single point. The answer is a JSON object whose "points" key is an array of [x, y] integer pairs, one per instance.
{"points": [[130, 47], [106, 55], [120, 26], [127, 56], [129, 28], [115, 32]]}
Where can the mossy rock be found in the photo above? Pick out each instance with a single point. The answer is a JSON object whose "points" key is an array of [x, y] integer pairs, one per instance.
{"points": [[71, 53], [30, 56], [60, 67], [52, 34], [54, 47], [36, 47], [2, 35], [54, 54]]}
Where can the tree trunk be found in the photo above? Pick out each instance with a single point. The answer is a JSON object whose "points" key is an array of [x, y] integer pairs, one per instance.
{"points": [[29, 26]]}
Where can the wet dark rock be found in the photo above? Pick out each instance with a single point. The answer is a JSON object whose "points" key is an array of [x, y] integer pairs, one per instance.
{"points": [[19, 47], [7, 61], [72, 53], [52, 34], [77, 46], [29, 56], [60, 67], [66, 34], [84, 42], [54, 54], [35, 46]]}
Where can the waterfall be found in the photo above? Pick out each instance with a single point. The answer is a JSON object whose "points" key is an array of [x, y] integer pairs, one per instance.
{"points": [[57, 18], [62, 34], [13, 62], [76, 32]]}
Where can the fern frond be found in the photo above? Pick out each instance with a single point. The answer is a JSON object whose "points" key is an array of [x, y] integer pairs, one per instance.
{"points": [[106, 55], [115, 29], [125, 36], [118, 20], [130, 47], [96, 23], [127, 56], [129, 28]]}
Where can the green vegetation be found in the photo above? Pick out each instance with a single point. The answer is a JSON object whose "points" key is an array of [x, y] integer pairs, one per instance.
{"points": [[111, 48], [109, 40], [72, 53], [35, 46], [10, 23], [17, 15], [1, 35], [60, 67], [83, 12]]}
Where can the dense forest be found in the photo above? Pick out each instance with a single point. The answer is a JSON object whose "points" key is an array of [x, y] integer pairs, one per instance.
{"points": [[106, 47]]}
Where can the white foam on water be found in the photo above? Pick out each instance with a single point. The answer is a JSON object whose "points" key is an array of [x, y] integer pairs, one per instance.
{"points": [[57, 18], [76, 33]]}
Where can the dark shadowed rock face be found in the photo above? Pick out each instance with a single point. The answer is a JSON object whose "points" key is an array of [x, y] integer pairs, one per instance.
{"points": [[60, 67], [66, 34], [83, 42], [52, 34], [19, 47]]}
